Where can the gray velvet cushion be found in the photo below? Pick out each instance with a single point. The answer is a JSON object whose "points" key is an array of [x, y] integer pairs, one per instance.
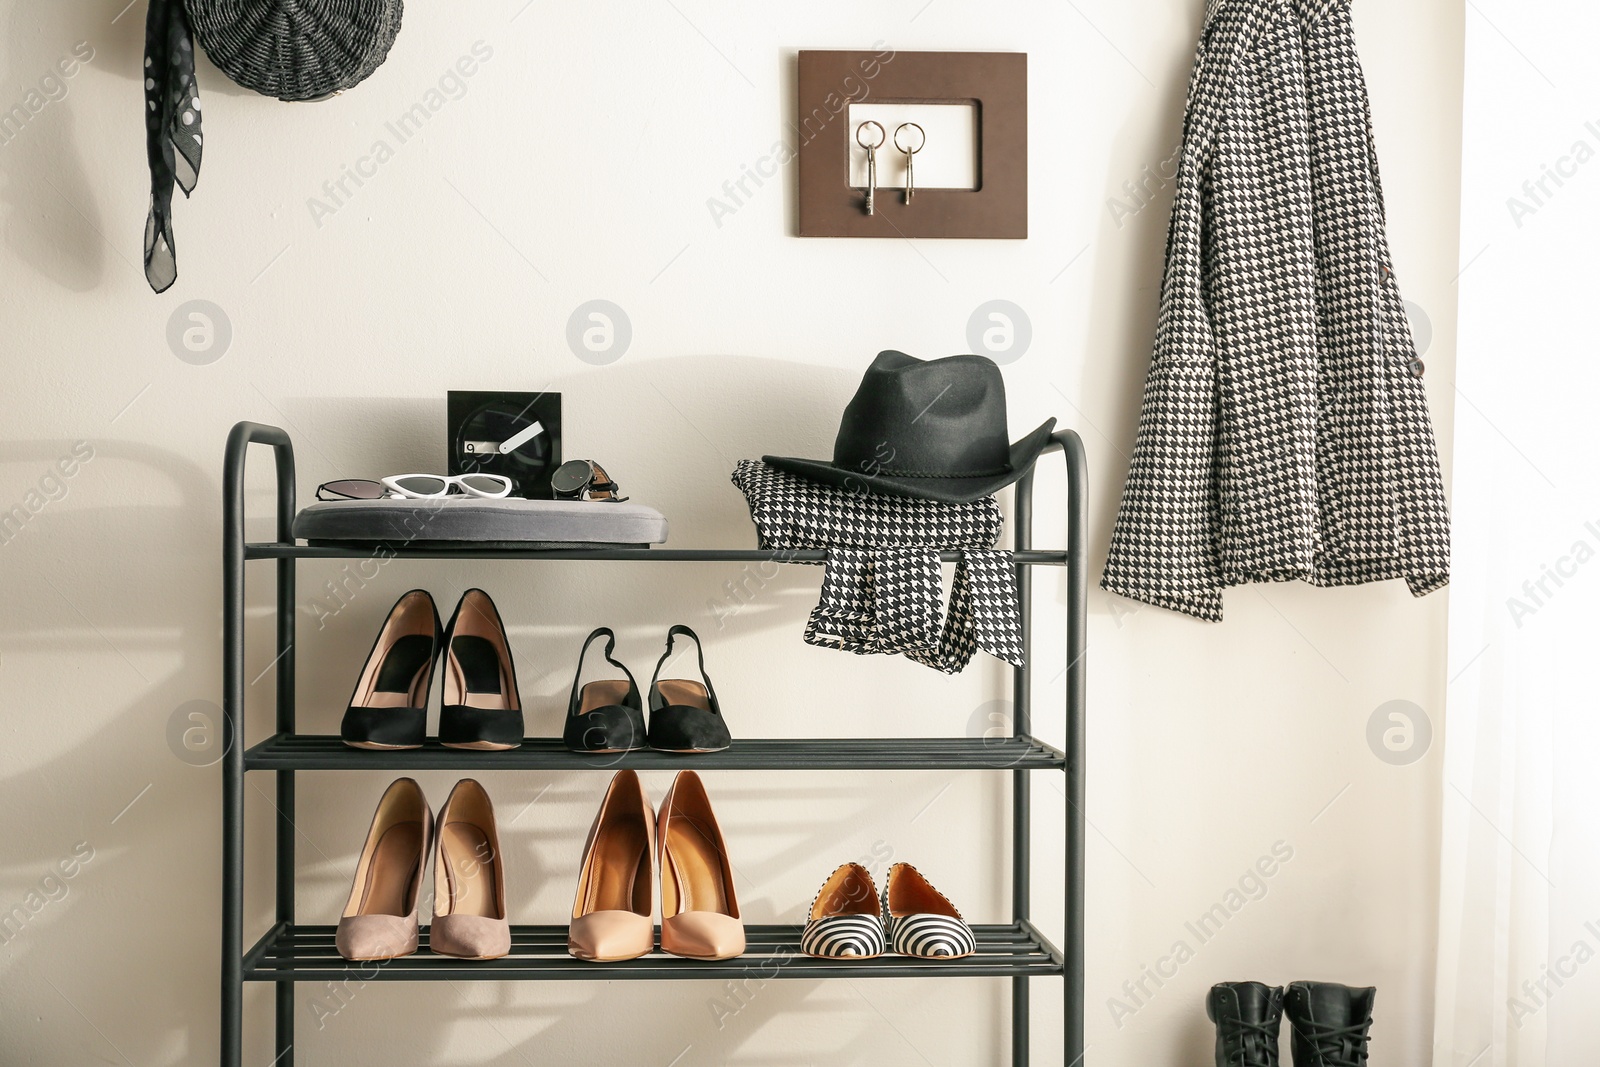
{"points": [[457, 520]]}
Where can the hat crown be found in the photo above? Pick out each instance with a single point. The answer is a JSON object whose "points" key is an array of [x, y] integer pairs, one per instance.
{"points": [[926, 418]]}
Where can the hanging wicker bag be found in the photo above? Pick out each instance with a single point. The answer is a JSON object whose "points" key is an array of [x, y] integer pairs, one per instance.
{"points": [[296, 49]]}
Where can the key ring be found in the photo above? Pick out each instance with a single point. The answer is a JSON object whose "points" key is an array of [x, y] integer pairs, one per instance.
{"points": [[872, 163], [910, 153], [863, 144], [921, 134]]}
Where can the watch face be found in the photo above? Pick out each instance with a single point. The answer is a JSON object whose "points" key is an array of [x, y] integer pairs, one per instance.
{"points": [[571, 478], [514, 434]]}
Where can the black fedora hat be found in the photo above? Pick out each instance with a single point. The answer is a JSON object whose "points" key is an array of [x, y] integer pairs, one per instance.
{"points": [[926, 428]]}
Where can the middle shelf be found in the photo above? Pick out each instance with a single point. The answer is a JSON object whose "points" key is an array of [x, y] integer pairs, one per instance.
{"points": [[311, 752]]}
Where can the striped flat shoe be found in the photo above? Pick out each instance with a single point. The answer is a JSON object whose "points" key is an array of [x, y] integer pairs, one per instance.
{"points": [[920, 921], [844, 923]]}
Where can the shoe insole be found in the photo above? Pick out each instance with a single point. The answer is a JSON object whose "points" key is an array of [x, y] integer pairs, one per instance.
{"points": [[601, 695], [678, 691], [909, 896], [476, 664], [620, 854], [402, 674], [472, 869], [693, 878], [847, 892], [393, 871]]}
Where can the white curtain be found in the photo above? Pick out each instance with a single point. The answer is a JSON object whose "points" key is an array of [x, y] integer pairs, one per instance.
{"points": [[1519, 912]]}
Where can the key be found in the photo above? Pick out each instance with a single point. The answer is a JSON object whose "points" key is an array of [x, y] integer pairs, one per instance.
{"points": [[872, 162]]}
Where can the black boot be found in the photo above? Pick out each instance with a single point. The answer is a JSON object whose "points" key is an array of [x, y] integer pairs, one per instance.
{"points": [[1247, 1015], [1330, 1023]]}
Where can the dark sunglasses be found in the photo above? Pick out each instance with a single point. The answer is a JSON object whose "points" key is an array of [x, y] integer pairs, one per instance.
{"points": [[352, 489]]}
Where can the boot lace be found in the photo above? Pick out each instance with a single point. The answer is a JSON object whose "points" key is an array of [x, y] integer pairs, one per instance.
{"points": [[1339, 1046], [1255, 1044]]}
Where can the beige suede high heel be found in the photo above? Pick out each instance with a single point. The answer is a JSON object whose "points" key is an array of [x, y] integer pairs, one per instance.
{"points": [[611, 912], [380, 918], [469, 889], [699, 911]]}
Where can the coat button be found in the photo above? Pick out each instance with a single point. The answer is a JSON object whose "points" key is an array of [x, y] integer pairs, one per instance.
{"points": [[1417, 367]]}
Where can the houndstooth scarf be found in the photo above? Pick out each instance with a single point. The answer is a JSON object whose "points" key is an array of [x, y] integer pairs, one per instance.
{"points": [[882, 588]]}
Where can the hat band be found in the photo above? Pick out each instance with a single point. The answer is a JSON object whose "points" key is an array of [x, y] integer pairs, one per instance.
{"points": [[891, 472]]}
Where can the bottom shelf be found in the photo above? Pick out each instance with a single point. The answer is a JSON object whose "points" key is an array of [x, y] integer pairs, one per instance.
{"points": [[539, 953]]}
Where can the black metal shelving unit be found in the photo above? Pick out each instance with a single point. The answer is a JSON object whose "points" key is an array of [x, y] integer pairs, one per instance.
{"points": [[289, 952]]}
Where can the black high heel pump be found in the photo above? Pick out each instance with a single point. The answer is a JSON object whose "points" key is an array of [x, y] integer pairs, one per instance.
{"points": [[389, 707], [481, 708]]}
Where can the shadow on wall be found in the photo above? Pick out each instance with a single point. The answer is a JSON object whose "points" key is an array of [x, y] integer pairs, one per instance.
{"points": [[50, 205], [138, 812], [52, 217], [143, 615]]}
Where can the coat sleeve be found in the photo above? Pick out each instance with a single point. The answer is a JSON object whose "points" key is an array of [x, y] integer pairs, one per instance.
{"points": [[1164, 546]]}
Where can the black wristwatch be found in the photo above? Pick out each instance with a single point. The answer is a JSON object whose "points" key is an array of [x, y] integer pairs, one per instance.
{"points": [[576, 477]]}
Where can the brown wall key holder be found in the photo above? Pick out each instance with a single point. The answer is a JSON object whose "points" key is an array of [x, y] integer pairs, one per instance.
{"points": [[994, 83]]}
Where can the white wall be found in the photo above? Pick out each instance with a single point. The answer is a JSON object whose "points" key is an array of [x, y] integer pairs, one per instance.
{"points": [[578, 165]]}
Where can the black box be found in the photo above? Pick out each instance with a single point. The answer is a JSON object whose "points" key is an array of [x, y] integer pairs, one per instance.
{"points": [[481, 422]]}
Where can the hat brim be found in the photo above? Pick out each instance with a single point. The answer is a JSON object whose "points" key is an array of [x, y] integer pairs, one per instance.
{"points": [[950, 490]]}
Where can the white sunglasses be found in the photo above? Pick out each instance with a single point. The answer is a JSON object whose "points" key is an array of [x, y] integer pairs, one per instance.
{"points": [[432, 486]]}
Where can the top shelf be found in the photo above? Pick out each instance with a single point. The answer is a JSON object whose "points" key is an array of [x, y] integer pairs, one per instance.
{"points": [[282, 550]]}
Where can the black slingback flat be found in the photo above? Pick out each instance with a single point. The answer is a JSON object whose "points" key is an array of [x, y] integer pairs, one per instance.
{"points": [[685, 715], [606, 716]]}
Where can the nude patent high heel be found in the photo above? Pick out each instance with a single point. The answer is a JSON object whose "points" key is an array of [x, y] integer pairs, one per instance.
{"points": [[612, 907], [699, 911]]}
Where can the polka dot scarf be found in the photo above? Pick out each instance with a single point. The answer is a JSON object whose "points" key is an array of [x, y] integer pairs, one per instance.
{"points": [[172, 131]]}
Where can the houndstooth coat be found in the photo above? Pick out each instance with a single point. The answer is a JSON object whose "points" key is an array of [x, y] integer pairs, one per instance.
{"points": [[1284, 432]]}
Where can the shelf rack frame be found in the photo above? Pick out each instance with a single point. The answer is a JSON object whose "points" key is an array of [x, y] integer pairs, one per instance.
{"points": [[288, 953]]}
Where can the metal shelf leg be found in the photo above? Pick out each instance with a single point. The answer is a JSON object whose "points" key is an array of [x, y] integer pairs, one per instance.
{"points": [[284, 1025], [233, 769], [1077, 646], [234, 739], [1021, 792]]}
